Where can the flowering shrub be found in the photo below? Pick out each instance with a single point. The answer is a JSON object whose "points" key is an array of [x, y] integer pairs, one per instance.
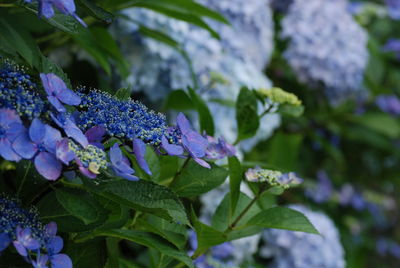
{"points": [[180, 133]]}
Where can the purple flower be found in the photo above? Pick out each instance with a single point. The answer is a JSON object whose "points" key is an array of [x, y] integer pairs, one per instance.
{"points": [[66, 7], [25, 241], [41, 261], [323, 191], [288, 179], [60, 261], [120, 164], [139, 149], [392, 45], [63, 152], [10, 127], [58, 92], [393, 7], [71, 129], [388, 104], [95, 135], [171, 149], [5, 241], [218, 149], [222, 251], [40, 145]]}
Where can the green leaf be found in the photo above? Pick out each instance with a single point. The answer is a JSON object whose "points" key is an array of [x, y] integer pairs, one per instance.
{"points": [[51, 210], [246, 114], [159, 36], [149, 240], [291, 110], [222, 218], [283, 218], [205, 117], [90, 254], [146, 196], [20, 40], [235, 178], [207, 236], [283, 150], [178, 100], [97, 11], [381, 123], [79, 203], [195, 179], [123, 93]]}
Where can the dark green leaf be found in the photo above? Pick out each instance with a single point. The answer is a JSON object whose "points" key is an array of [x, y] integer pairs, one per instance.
{"points": [[146, 196], [246, 114], [283, 218], [205, 117], [149, 240], [179, 100], [291, 110], [195, 179], [90, 254], [235, 178], [97, 11], [80, 204]]}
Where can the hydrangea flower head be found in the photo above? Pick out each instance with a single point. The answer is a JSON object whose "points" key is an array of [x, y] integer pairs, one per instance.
{"points": [[302, 250], [37, 243], [326, 47], [39, 144], [57, 92], [10, 128], [19, 92], [393, 7], [120, 118]]}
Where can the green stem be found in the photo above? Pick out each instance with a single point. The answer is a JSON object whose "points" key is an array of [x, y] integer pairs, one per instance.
{"points": [[176, 176], [7, 5], [24, 179], [266, 111]]}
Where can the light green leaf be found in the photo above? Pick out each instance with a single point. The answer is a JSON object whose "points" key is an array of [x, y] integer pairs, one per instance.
{"points": [[235, 178]]}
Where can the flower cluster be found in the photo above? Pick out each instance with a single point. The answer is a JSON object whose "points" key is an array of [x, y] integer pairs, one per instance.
{"points": [[301, 250], [278, 95], [67, 7], [272, 177], [19, 92], [56, 138], [121, 118], [389, 104], [326, 46], [393, 7], [220, 68], [38, 244]]}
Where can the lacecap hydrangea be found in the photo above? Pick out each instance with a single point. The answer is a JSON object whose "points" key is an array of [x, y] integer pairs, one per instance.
{"points": [[326, 47], [37, 243], [220, 67], [302, 250]]}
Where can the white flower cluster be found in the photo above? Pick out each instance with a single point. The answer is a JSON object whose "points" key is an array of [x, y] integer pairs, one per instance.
{"points": [[302, 250], [221, 67], [326, 46]]}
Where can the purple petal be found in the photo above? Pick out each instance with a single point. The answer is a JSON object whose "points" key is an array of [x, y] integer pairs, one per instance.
{"points": [[115, 154], [41, 261], [183, 123], [125, 175], [55, 244], [24, 236], [57, 104], [45, 80], [20, 248], [48, 166], [69, 97], [8, 116], [51, 229], [37, 131], [63, 153], [14, 130], [202, 163], [7, 152], [95, 134], [139, 149], [79, 19], [52, 136], [60, 261], [171, 149], [65, 6], [24, 146], [87, 173], [195, 144], [5, 241], [74, 132]]}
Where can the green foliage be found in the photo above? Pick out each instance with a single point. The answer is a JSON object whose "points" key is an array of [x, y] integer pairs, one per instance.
{"points": [[246, 114]]}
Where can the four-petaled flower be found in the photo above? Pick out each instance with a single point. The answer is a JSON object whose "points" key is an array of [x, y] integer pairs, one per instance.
{"points": [[120, 164], [10, 128], [58, 92], [25, 241], [40, 143]]}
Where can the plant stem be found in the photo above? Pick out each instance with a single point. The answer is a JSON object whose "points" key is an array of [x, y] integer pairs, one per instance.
{"points": [[24, 179], [7, 5], [176, 176]]}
